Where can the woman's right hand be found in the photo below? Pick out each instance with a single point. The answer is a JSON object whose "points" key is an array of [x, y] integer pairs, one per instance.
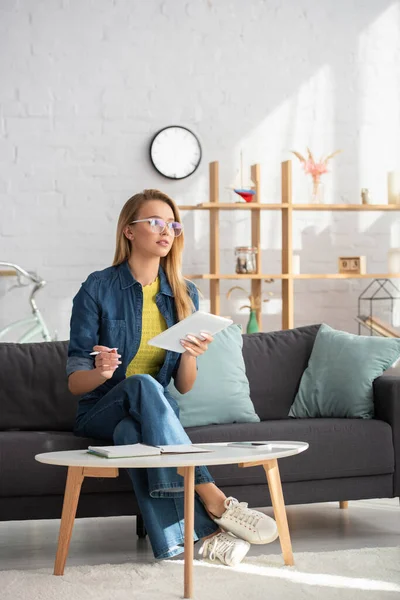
{"points": [[107, 361]]}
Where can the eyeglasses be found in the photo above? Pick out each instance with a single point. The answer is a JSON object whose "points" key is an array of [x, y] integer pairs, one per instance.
{"points": [[159, 226]]}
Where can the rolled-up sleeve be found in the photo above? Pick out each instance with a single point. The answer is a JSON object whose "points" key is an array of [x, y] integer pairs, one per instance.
{"points": [[84, 327]]}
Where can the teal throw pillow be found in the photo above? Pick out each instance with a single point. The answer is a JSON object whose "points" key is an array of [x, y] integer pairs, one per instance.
{"points": [[221, 392], [340, 372]]}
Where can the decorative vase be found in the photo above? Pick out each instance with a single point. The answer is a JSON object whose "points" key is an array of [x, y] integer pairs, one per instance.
{"points": [[252, 325], [317, 191]]}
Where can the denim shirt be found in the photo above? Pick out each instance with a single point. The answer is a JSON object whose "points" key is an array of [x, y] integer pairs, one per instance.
{"points": [[107, 311]]}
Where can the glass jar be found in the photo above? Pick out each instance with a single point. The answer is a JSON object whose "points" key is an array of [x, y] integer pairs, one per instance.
{"points": [[246, 259]]}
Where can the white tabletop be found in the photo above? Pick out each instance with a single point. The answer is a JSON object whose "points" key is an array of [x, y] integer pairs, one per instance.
{"points": [[221, 455]]}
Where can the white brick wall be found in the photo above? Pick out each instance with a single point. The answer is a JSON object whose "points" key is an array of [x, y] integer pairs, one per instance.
{"points": [[85, 84]]}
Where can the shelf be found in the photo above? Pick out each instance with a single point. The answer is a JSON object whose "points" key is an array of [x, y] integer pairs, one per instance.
{"points": [[347, 207], [287, 209], [296, 276], [237, 276], [281, 205], [346, 276], [191, 207], [234, 206]]}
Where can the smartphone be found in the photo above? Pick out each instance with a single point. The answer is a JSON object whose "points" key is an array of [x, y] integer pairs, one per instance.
{"points": [[247, 444]]}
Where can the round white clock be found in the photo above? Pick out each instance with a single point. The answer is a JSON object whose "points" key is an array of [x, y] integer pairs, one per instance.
{"points": [[175, 152]]}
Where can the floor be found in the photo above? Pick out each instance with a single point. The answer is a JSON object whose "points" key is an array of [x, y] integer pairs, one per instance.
{"points": [[313, 527]]}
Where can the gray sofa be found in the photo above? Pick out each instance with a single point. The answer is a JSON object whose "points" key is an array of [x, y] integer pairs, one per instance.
{"points": [[348, 459]]}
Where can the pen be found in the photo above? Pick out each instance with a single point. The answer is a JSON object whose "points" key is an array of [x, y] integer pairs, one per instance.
{"points": [[96, 353]]}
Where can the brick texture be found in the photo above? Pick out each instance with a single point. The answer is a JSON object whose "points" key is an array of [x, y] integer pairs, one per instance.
{"points": [[85, 85]]}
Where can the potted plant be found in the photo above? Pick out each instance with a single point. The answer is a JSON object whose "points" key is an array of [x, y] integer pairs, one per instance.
{"points": [[253, 305]]}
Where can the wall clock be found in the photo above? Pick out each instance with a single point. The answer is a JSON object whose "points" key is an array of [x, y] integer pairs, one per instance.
{"points": [[175, 152]]}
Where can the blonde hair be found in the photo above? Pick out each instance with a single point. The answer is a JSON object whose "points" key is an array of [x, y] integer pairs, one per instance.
{"points": [[172, 263]]}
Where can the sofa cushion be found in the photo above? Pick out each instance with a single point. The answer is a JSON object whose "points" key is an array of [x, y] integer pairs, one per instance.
{"points": [[34, 391], [22, 475], [338, 448], [340, 372], [221, 391], [275, 363], [36, 396]]}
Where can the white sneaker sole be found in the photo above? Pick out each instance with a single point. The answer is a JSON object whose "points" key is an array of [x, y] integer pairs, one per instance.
{"points": [[238, 560]]}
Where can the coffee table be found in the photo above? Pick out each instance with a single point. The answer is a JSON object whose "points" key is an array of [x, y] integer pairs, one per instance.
{"points": [[81, 464]]}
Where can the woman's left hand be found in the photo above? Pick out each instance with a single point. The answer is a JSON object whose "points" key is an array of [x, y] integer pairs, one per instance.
{"points": [[195, 346]]}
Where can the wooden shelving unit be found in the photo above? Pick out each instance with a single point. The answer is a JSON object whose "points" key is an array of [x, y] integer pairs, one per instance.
{"points": [[286, 207]]}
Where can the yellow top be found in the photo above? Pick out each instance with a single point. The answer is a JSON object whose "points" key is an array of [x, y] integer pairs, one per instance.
{"points": [[149, 359]]}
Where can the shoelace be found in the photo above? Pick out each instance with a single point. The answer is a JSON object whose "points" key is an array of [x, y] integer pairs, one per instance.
{"points": [[218, 545], [236, 508]]}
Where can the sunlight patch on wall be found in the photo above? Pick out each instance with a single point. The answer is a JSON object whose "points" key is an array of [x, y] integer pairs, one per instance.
{"points": [[379, 115]]}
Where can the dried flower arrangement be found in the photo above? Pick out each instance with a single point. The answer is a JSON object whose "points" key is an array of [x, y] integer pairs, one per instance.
{"points": [[315, 168]]}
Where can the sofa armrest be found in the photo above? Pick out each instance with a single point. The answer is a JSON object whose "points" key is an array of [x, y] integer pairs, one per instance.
{"points": [[387, 408]]}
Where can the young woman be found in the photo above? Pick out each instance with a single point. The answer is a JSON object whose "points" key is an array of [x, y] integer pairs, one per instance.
{"points": [[123, 390]]}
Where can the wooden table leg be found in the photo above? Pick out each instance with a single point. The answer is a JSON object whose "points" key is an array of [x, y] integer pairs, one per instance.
{"points": [[188, 475], [278, 504], [275, 490], [73, 486], [75, 477]]}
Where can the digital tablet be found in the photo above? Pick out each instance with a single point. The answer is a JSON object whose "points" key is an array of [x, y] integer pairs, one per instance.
{"points": [[170, 339]]}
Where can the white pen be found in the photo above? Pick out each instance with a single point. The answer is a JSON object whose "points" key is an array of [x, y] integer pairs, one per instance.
{"points": [[96, 353]]}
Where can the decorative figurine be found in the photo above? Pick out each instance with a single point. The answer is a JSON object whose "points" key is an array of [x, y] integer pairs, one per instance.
{"points": [[356, 265]]}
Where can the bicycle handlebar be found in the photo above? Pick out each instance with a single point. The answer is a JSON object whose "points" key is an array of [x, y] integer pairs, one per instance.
{"points": [[28, 274]]}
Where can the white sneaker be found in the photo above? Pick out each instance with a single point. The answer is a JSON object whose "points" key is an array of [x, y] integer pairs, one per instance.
{"points": [[225, 547], [247, 524]]}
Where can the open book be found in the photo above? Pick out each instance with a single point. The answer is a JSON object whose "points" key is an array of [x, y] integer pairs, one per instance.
{"points": [[131, 450]]}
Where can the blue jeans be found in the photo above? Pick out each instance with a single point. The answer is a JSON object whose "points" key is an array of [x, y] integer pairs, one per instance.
{"points": [[138, 409]]}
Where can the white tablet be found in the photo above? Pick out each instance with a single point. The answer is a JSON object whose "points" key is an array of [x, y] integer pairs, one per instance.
{"points": [[170, 339]]}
